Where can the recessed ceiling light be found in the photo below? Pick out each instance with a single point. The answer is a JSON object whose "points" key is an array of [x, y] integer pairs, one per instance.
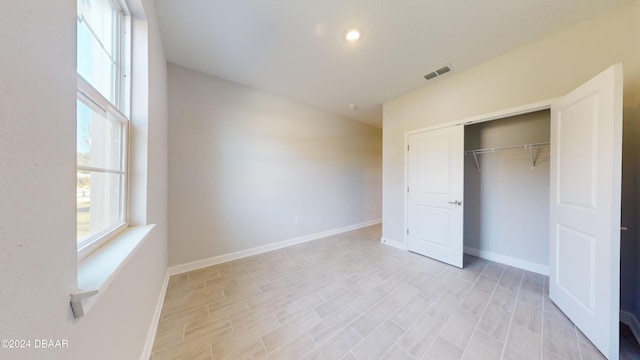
{"points": [[353, 35]]}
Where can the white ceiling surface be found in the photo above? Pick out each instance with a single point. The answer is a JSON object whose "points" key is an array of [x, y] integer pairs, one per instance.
{"points": [[297, 49]]}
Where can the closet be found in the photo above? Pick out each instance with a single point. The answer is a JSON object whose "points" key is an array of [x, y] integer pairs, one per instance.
{"points": [[500, 170], [489, 186], [506, 190]]}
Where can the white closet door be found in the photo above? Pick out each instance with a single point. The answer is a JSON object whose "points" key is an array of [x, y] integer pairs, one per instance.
{"points": [[435, 189], [586, 155]]}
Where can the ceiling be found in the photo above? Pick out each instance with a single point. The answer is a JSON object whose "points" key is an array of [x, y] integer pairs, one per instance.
{"points": [[297, 48]]}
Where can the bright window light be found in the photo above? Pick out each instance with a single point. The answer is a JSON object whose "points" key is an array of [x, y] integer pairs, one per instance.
{"points": [[103, 59]]}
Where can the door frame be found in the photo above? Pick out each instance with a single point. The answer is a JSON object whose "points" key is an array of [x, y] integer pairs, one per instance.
{"points": [[497, 115]]}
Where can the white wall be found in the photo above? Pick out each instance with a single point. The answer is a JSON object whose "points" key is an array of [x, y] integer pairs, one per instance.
{"points": [[507, 202], [37, 190], [544, 69], [37, 170], [243, 164]]}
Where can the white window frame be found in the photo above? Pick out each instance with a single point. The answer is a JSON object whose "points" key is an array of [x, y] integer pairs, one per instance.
{"points": [[120, 112]]}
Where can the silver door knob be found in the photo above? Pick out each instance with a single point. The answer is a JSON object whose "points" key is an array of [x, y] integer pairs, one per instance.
{"points": [[459, 203]]}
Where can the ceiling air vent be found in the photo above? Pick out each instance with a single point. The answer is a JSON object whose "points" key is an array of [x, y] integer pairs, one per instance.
{"points": [[443, 70], [430, 75]]}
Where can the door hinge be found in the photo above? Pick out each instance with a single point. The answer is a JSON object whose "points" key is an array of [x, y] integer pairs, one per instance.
{"points": [[407, 231], [408, 147], [407, 189]]}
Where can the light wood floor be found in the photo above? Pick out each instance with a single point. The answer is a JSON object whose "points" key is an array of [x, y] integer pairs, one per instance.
{"points": [[350, 297]]}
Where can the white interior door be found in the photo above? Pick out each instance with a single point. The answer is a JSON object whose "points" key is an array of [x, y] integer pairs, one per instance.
{"points": [[586, 158], [435, 189]]}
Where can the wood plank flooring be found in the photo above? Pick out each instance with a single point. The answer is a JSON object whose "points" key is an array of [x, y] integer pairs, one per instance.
{"points": [[349, 297]]}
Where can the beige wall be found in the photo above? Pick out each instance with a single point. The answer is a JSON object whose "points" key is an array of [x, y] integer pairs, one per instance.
{"points": [[243, 164], [544, 69], [38, 258]]}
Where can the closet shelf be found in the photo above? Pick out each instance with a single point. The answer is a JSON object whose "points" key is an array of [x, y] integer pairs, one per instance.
{"points": [[530, 147]]}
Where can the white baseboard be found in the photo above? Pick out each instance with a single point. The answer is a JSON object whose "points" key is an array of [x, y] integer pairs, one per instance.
{"points": [[393, 243], [507, 260], [199, 264], [151, 335], [632, 321]]}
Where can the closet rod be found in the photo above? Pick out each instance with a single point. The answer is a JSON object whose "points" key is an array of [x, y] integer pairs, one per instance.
{"points": [[476, 152], [505, 148]]}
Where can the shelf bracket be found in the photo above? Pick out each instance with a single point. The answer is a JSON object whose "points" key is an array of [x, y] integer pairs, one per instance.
{"points": [[533, 160], [475, 157]]}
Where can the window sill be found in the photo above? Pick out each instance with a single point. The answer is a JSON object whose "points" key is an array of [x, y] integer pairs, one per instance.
{"points": [[97, 270]]}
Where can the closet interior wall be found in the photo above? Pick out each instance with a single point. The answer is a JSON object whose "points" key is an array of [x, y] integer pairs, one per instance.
{"points": [[506, 211]]}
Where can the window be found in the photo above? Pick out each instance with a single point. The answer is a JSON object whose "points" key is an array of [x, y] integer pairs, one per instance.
{"points": [[103, 39]]}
